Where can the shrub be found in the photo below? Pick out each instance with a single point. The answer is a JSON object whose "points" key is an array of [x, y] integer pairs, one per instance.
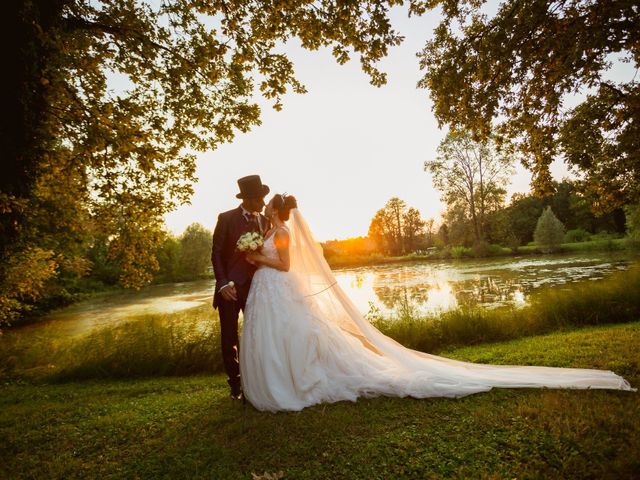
{"points": [[576, 235], [632, 214], [485, 249], [460, 251], [603, 236], [549, 232]]}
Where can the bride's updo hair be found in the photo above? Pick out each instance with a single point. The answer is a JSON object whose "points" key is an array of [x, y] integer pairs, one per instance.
{"points": [[283, 204]]}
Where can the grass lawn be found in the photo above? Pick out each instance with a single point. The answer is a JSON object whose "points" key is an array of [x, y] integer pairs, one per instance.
{"points": [[186, 427]]}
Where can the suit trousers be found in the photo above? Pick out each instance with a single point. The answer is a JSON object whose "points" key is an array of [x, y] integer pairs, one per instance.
{"points": [[229, 312]]}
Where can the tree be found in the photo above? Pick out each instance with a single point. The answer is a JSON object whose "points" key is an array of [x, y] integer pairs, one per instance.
{"points": [[189, 74], [380, 231], [570, 205], [632, 213], [509, 75], [195, 250], [412, 228], [549, 231], [459, 226], [443, 234], [395, 227], [168, 255], [471, 176], [396, 209], [428, 226], [524, 212]]}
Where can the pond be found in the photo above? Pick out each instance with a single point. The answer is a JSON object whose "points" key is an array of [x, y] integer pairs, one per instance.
{"points": [[430, 288], [424, 288]]}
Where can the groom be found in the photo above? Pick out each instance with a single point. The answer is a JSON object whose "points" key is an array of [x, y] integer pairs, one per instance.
{"points": [[233, 273]]}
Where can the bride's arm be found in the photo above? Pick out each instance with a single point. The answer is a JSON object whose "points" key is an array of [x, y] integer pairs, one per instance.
{"points": [[281, 241]]}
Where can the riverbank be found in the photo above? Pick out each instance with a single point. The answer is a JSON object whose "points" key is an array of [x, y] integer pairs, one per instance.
{"points": [[459, 252], [189, 428]]}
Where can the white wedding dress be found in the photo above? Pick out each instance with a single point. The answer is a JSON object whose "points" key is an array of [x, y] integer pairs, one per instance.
{"points": [[304, 342]]}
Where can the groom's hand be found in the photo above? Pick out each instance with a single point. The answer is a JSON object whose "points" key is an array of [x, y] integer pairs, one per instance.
{"points": [[229, 293]]}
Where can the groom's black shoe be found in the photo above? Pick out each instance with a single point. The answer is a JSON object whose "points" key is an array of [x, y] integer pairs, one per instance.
{"points": [[236, 392]]}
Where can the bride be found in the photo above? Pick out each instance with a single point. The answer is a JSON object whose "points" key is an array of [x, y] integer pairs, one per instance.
{"points": [[304, 342]]}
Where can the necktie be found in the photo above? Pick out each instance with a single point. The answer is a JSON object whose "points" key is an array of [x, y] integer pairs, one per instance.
{"points": [[253, 221]]}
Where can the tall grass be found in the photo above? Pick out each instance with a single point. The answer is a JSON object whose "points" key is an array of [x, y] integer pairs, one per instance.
{"points": [[188, 342], [180, 343]]}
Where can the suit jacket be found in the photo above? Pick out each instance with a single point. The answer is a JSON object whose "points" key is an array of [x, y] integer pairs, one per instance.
{"points": [[228, 263]]}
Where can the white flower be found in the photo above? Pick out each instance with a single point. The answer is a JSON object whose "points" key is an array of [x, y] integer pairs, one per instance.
{"points": [[249, 241]]}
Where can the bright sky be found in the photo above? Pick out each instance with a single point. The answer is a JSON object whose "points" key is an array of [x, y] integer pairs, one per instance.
{"points": [[343, 149]]}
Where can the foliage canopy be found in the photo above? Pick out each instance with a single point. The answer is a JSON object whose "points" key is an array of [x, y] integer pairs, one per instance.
{"points": [[511, 74], [188, 74]]}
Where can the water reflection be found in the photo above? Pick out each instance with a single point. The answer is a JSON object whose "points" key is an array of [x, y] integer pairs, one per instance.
{"points": [[430, 288], [108, 308]]}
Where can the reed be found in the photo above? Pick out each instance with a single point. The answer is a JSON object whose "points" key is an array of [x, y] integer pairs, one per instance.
{"points": [[180, 343]]}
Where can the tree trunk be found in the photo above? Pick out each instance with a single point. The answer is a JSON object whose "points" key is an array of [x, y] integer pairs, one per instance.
{"points": [[23, 133], [474, 216]]}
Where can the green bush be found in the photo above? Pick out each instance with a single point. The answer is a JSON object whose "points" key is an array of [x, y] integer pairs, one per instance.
{"points": [[576, 235], [480, 250], [602, 236], [460, 252], [484, 249], [495, 250], [549, 232]]}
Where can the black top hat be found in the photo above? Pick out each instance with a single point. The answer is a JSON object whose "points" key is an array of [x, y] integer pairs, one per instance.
{"points": [[252, 187]]}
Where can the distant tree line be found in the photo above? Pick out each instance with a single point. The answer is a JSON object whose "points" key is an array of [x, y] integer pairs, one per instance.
{"points": [[514, 224], [397, 229], [179, 258], [472, 175]]}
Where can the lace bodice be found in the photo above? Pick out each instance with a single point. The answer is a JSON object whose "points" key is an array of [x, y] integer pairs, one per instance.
{"points": [[269, 248]]}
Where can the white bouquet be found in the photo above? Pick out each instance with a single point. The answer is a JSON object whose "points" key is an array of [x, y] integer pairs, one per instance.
{"points": [[249, 242]]}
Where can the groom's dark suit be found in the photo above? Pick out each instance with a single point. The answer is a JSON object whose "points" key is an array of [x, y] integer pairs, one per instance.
{"points": [[231, 265]]}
